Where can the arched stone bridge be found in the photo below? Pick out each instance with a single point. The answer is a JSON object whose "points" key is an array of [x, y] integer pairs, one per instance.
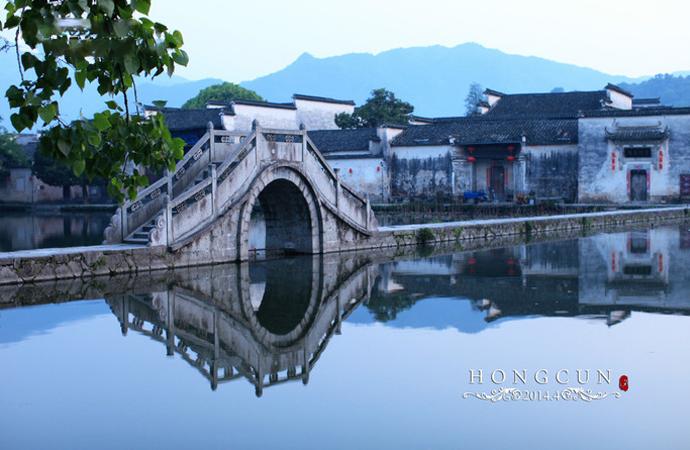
{"points": [[234, 194]]}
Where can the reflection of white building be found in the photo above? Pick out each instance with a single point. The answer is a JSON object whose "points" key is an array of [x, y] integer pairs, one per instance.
{"points": [[633, 269]]}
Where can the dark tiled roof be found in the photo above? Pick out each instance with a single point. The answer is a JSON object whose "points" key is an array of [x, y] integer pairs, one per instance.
{"points": [[642, 134], [647, 101], [315, 98], [436, 119], [191, 119], [661, 111], [562, 105], [619, 89], [329, 141], [470, 131], [494, 93], [265, 104]]}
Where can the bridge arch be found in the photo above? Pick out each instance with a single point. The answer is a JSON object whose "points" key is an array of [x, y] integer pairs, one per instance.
{"points": [[291, 212]]}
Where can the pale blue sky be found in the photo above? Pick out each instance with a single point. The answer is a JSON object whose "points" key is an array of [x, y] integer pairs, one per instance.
{"points": [[238, 41]]}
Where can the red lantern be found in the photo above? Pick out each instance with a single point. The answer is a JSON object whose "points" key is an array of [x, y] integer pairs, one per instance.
{"points": [[510, 158], [350, 170], [378, 168], [471, 159]]}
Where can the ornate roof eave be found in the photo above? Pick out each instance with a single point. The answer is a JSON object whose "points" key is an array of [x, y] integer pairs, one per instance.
{"points": [[638, 134]]}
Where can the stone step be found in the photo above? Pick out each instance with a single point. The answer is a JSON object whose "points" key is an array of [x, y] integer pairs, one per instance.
{"points": [[136, 241]]}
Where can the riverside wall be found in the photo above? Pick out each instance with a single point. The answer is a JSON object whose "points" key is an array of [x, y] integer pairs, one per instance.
{"points": [[109, 260]]}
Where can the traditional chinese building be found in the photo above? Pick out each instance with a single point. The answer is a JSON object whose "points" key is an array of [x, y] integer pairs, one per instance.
{"points": [[599, 146]]}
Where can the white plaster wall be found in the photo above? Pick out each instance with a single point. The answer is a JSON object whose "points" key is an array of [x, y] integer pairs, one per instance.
{"points": [[320, 115], [266, 116], [422, 151], [18, 186], [599, 182], [492, 99], [619, 100], [368, 176]]}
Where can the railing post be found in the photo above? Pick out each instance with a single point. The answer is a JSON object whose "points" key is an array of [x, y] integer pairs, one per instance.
{"points": [[367, 205], [214, 187], [169, 186], [123, 218], [303, 128], [168, 222], [337, 188], [257, 136], [211, 142]]}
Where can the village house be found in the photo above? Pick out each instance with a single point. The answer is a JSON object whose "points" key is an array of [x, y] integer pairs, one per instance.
{"points": [[22, 186], [599, 146]]}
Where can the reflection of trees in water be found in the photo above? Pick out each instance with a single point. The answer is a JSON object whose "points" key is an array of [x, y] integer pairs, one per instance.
{"points": [[386, 307]]}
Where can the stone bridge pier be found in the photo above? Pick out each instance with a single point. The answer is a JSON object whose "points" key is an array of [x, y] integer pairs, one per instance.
{"points": [[234, 197]]}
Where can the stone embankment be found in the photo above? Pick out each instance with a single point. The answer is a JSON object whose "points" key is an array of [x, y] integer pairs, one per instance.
{"points": [[80, 262]]}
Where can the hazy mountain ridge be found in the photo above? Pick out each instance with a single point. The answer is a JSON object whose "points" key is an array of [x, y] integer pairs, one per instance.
{"points": [[434, 79], [673, 90]]}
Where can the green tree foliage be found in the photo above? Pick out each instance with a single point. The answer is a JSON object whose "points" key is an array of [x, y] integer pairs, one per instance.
{"points": [[108, 43], [380, 108], [223, 92], [475, 95], [11, 154]]}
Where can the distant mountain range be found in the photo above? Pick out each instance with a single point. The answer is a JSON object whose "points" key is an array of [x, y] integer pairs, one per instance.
{"points": [[434, 79]]}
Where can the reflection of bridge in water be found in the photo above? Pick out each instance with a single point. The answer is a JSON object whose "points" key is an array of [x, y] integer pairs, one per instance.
{"points": [[267, 322]]}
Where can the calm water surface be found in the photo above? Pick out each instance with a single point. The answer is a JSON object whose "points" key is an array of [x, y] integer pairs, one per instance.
{"points": [[27, 231], [355, 353]]}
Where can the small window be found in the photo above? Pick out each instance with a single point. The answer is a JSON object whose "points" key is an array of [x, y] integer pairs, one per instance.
{"points": [[637, 152]]}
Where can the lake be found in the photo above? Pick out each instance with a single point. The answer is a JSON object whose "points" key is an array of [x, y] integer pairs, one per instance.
{"points": [[49, 229], [434, 350]]}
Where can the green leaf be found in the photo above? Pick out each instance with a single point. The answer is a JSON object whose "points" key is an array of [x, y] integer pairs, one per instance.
{"points": [[160, 104], [112, 104], [63, 146], [107, 5], [101, 122], [17, 122], [28, 60], [80, 78], [94, 139], [48, 112], [78, 167], [143, 6], [121, 28], [181, 58], [131, 63], [177, 38]]}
